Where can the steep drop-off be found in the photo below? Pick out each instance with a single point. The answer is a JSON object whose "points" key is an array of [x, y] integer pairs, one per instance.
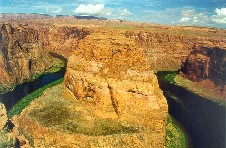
{"points": [[114, 99], [206, 63], [27, 51], [21, 55], [109, 77], [205, 67], [29, 39], [166, 50]]}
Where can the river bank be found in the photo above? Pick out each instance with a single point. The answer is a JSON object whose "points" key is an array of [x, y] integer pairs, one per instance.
{"points": [[10, 98], [204, 119], [40, 83]]}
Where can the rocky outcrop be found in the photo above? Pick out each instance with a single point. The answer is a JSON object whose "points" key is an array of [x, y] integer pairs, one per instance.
{"points": [[31, 40], [62, 40], [205, 63], [3, 116], [64, 121], [26, 51], [167, 49], [112, 73], [21, 55]]}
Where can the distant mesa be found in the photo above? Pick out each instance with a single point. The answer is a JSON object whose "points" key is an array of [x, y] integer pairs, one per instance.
{"points": [[60, 15], [89, 17], [18, 16]]}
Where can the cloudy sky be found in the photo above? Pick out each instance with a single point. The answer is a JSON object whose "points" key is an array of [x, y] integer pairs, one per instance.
{"points": [[210, 13]]}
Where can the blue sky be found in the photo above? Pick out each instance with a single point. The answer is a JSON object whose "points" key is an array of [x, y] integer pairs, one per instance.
{"points": [[210, 13]]}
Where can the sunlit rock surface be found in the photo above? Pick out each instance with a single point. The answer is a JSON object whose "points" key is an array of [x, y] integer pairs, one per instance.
{"points": [[112, 73], [3, 116]]}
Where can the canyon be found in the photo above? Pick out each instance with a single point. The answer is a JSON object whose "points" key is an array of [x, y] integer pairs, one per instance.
{"points": [[110, 77], [30, 40]]}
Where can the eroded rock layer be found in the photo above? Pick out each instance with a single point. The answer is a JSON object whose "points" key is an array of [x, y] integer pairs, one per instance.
{"points": [[3, 116], [27, 51], [21, 55], [206, 63], [33, 37], [112, 73]]}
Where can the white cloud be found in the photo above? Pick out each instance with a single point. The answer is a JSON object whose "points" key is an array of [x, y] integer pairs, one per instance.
{"points": [[125, 12], [188, 13], [221, 11], [185, 19], [220, 16], [191, 17], [58, 10], [90, 9]]}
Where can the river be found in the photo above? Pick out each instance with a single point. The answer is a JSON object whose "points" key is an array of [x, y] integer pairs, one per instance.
{"points": [[10, 98], [203, 120]]}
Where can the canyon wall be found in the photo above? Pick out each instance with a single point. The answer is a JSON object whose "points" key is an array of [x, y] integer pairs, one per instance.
{"points": [[21, 55], [25, 42], [110, 70], [166, 50], [205, 63], [28, 50], [62, 40]]}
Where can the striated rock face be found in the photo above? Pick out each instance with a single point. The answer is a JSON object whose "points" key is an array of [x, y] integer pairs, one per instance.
{"points": [[167, 49], [112, 73], [24, 50], [206, 63], [3, 116], [61, 40], [21, 55], [32, 39]]}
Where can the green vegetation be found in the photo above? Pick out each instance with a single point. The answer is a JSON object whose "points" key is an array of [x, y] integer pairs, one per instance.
{"points": [[54, 68], [124, 27], [200, 90], [5, 140], [61, 117], [170, 78], [174, 135], [17, 109], [60, 113]]}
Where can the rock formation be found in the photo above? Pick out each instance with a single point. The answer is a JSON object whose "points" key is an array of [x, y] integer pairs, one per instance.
{"points": [[61, 40], [24, 50], [109, 78], [30, 36], [3, 116], [21, 55], [111, 72], [167, 49], [205, 63]]}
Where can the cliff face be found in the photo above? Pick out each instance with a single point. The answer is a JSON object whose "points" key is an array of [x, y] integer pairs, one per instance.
{"points": [[167, 50], [61, 40], [22, 55], [24, 50], [206, 63], [33, 39], [111, 72]]}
